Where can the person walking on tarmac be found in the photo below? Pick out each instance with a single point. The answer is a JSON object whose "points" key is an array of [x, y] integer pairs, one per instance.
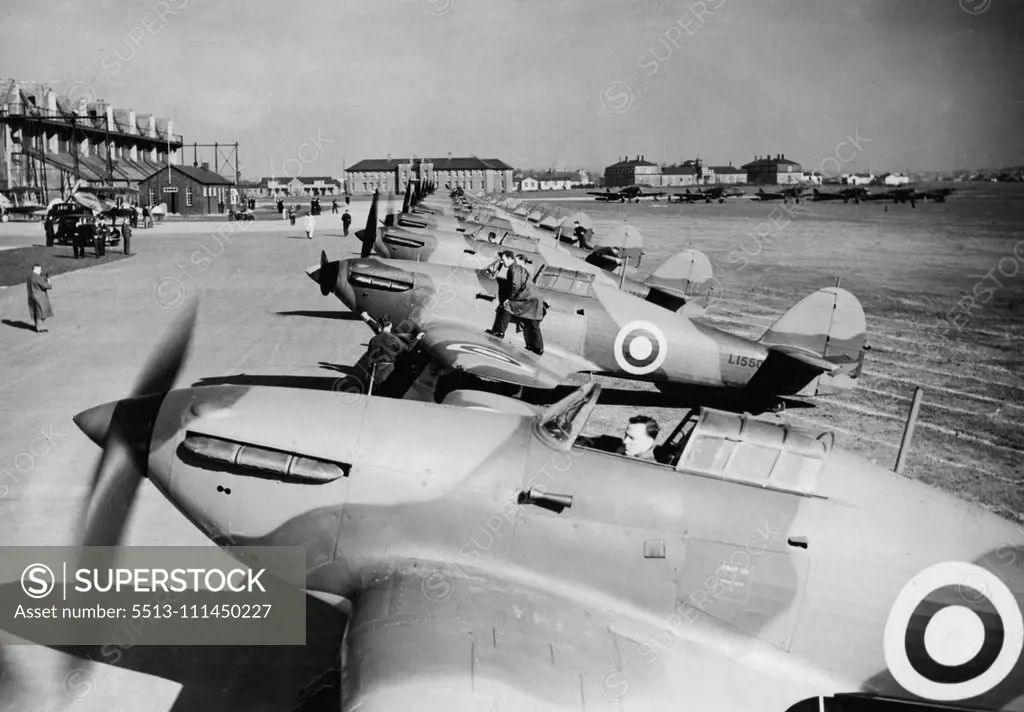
{"points": [[346, 220], [126, 237], [516, 298], [310, 224]]}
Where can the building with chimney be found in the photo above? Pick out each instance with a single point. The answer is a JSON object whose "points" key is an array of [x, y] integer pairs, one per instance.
{"points": [[632, 171], [472, 174], [773, 170], [49, 142]]}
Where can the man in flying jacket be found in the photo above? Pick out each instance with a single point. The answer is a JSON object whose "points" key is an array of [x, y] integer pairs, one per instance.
{"points": [[516, 299]]}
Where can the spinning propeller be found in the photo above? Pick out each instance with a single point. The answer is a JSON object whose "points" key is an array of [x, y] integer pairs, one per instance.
{"points": [[368, 236], [123, 429]]}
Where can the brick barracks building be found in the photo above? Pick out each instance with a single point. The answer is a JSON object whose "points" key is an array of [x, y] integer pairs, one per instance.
{"points": [[391, 174], [47, 142], [777, 170]]}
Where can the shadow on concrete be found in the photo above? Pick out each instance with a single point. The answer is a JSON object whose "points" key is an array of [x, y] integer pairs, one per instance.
{"points": [[18, 324], [313, 383], [343, 315]]}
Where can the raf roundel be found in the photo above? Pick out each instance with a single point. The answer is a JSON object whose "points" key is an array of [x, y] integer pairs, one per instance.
{"points": [[954, 632], [640, 348]]}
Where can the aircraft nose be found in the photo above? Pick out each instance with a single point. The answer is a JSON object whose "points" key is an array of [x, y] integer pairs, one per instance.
{"points": [[132, 417]]}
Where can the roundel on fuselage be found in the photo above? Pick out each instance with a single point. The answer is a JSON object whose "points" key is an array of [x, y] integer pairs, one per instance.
{"points": [[640, 348], [954, 632]]}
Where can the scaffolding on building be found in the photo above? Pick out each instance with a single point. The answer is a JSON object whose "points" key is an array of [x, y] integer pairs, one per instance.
{"points": [[29, 126]]}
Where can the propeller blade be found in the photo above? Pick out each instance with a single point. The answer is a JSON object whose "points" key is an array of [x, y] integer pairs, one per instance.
{"points": [[408, 197], [124, 428], [162, 369], [370, 233], [389, 217], [328, 274]]}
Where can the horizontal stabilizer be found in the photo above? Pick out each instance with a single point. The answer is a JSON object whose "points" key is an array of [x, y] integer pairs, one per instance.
{"points": [[808, 358]]}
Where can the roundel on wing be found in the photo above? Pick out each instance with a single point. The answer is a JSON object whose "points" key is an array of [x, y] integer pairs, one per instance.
{"points": [[954, 632], [640, 348], [487, 352]]}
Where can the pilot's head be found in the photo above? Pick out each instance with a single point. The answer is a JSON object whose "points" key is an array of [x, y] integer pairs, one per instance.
{"points": [[640, 435], [521, 259], [492, 237], [385, 324], [506, 257], [37, 269]]}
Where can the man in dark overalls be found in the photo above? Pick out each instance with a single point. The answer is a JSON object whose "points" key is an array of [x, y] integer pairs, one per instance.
{"points": [[520, 302], [385, 351]]}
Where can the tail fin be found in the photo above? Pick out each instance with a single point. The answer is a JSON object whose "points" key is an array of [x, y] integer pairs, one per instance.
{"points": [[815, 348], [684, 282]]}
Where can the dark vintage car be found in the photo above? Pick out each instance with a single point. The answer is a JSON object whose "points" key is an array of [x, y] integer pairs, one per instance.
{"points": [[65, 226], [60, 222]]}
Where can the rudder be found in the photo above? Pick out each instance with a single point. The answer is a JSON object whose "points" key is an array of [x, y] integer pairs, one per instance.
{"points": [[687, 278], [827, 328]]}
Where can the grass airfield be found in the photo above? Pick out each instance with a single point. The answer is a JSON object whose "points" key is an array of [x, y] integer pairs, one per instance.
{"points": [[261, 316]]}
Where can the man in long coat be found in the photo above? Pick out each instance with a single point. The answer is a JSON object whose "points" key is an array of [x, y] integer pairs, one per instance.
{"points": [[516, 298], [38, 300]]}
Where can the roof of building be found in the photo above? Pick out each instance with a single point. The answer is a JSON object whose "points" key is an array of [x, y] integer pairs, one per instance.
{"points": [[726, 169], [455, 163], [678, 170], [778, 160], [632, 162], [552, 175], [309, 180], [196, 173]]}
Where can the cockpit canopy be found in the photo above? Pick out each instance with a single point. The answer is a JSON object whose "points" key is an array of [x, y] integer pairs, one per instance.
{"points": [[739, 447], [566, 281]]}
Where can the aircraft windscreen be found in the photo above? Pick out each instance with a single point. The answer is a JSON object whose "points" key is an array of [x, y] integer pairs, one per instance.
{"points": [[563, 421], [566, 281]]}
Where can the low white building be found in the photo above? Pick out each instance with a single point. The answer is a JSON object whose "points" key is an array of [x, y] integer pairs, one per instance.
{"points": [[529, 183], [896, 179], [859, 178]]}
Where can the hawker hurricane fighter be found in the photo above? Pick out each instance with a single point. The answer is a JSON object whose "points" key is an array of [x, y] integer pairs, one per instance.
{"points": [[785, 195], [627, 194], [718, 192], [816, 348], [489, 560]]}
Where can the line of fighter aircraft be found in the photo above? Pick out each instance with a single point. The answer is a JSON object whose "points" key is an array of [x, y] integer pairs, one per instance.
{"points": [[720, 194], [434, 277], [485, 557]]}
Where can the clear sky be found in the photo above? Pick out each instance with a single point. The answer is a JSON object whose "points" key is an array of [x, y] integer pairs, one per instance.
{"points": [[925, 84]]}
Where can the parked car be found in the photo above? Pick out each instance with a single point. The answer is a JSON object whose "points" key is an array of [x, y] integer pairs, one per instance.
{"points": [[61, 220]]}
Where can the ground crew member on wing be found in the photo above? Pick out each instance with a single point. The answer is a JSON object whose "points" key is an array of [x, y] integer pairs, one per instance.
{"points": [[385, 351], [516, 298]]}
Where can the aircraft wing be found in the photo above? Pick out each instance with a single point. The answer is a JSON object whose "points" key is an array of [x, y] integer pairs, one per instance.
{"points": [[440, 639], [465, 348]]}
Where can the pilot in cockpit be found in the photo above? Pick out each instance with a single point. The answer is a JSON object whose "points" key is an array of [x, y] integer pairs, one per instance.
{"points": [[639, 439]]}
